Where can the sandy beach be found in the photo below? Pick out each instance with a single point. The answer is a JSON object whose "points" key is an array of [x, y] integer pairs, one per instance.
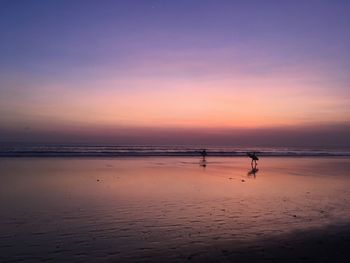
{"points": [[171, 208]]}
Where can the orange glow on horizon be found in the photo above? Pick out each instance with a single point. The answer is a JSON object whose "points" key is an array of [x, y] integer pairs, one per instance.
{"points": [[149, 99]]}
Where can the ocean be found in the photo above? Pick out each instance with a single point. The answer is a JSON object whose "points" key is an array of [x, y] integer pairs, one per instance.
{"points": [[60, 150]]}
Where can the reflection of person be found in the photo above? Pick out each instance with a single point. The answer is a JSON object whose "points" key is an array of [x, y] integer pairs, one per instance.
{"points": [[253, 171]]}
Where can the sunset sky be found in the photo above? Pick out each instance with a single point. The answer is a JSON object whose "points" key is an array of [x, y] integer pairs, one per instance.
{"points": [[176, 72]]}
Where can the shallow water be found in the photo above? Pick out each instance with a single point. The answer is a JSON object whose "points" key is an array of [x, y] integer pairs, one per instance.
{"points": [[51, 150], [104, 209]]}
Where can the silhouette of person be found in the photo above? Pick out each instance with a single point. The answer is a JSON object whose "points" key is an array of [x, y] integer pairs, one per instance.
{"points": [[253, 157], [203, 162]]}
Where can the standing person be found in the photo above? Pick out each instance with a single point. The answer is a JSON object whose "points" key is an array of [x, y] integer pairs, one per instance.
{"points": [[253, 157], [203, 162], [204, 153]]}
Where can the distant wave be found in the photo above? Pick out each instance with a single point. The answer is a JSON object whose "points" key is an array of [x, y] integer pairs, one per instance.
{"points": [[139, 151]]}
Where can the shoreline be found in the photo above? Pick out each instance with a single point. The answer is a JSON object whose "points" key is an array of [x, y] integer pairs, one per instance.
{"points": [[127, 155]]}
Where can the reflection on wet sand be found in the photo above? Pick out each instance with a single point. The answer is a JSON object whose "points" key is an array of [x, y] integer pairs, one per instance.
{"points": [[129, 209], [253, 172], [203, 162]]}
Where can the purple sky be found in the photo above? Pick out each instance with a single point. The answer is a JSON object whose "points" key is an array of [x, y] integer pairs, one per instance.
{"points": [[175, 72]]}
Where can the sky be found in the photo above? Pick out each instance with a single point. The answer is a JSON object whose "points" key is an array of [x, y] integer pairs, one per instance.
{"points": [[175, 72]]}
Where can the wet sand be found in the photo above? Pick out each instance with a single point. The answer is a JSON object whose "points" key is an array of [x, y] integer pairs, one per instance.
{"points": [[173, 209]]}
